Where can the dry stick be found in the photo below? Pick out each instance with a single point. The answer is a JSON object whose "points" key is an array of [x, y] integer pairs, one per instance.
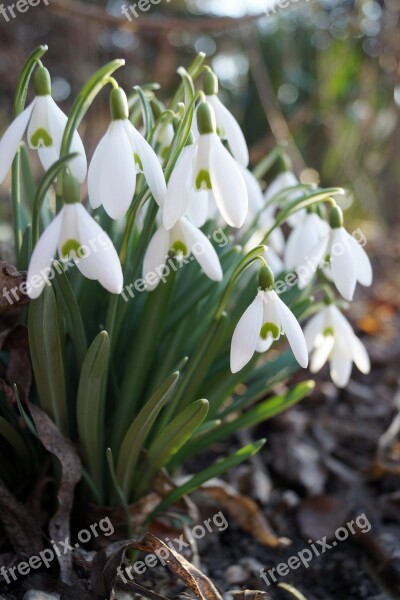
{"points": [[276, 120], [146, 24]]}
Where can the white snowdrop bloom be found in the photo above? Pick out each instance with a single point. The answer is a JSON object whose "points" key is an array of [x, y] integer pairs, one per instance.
{"points": [[284, 181], [330, 337], [183, 240], [306, 234], [181, 198], [254, 194], [45, 124], [120, 155], [348, 261], [227, 126], [264, 321], [163, 137], [77, 236], [214, 169]]}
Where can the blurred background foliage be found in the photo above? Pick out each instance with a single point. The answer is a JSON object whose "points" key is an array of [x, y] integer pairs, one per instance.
{"points": [[321, 76]]}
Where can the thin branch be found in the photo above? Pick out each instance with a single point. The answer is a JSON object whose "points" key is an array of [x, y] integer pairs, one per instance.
{"points": [[147, 24]]}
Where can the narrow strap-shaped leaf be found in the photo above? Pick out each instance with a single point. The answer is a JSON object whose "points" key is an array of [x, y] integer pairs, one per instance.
{"points": [[119, 493], [47, 359], [138, 432], [89, 409], [171, 440], [215, 470], [23, 82], [147, 113], [260, 413], [72, 313]]}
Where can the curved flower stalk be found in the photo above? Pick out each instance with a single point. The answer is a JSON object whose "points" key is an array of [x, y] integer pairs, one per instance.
{"points": [[227, 126], [206, 166], [330, 337], [182, 240], [308, 231], [264, 321], [120, 155], [284, 181], [45, 124], [347, 261], [77, 236]]}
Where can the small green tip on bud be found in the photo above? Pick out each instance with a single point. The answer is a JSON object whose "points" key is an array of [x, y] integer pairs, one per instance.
{"points": [[336, 217], [71, 189], [210, 84], [42, 82], [266, 279], [118, 104], [205, 119]]}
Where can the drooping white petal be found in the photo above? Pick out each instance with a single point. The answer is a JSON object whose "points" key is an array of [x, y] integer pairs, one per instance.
{"points": [[202, 249], [293, 333], [307, 270], [321, 353], [362, 262], [177, 195], [43, 255], [303, 239], [246, 334], [118, 174], [198, 207], [156, 256], [95, 170], [230, 130], [39, 134], [340, 367], [254, 193], [342, 264], [342, 328], [57, 121], [360, 355], [313, 328], [11, 139], [151, 165], [271, 312], [102, 260], [228, 185]]}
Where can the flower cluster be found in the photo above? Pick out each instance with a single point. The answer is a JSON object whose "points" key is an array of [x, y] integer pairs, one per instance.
{"points": [[210, 180]]}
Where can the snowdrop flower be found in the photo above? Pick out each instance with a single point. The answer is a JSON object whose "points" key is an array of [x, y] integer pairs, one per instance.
{"points": [[207, 168], [330, 337], [45, 123], [348, 261], [181, 197], [183, 240], [284, 181], [264, 321], [120, 155], [309, 230], [227, 126], [163, 137], [77, 236]]}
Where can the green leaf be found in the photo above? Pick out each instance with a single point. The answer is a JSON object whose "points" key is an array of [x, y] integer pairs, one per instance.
{"points": [[215, 470], [44, 186], [138, 432], [89, 409], [147, 113], [47, 358], [168, 442], [258, 414], [72, 313], [119, 493]]}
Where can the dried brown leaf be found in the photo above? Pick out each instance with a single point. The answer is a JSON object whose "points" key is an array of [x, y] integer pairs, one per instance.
{"points": [[244, 511], [64, 450]]}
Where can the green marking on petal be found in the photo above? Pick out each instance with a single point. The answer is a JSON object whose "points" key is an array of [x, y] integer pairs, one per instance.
{"points": [[327, 260], [203, 180], [138, 162], [41, 138], [179, 247], [328, 331], [71, 247], [269, 328]]}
